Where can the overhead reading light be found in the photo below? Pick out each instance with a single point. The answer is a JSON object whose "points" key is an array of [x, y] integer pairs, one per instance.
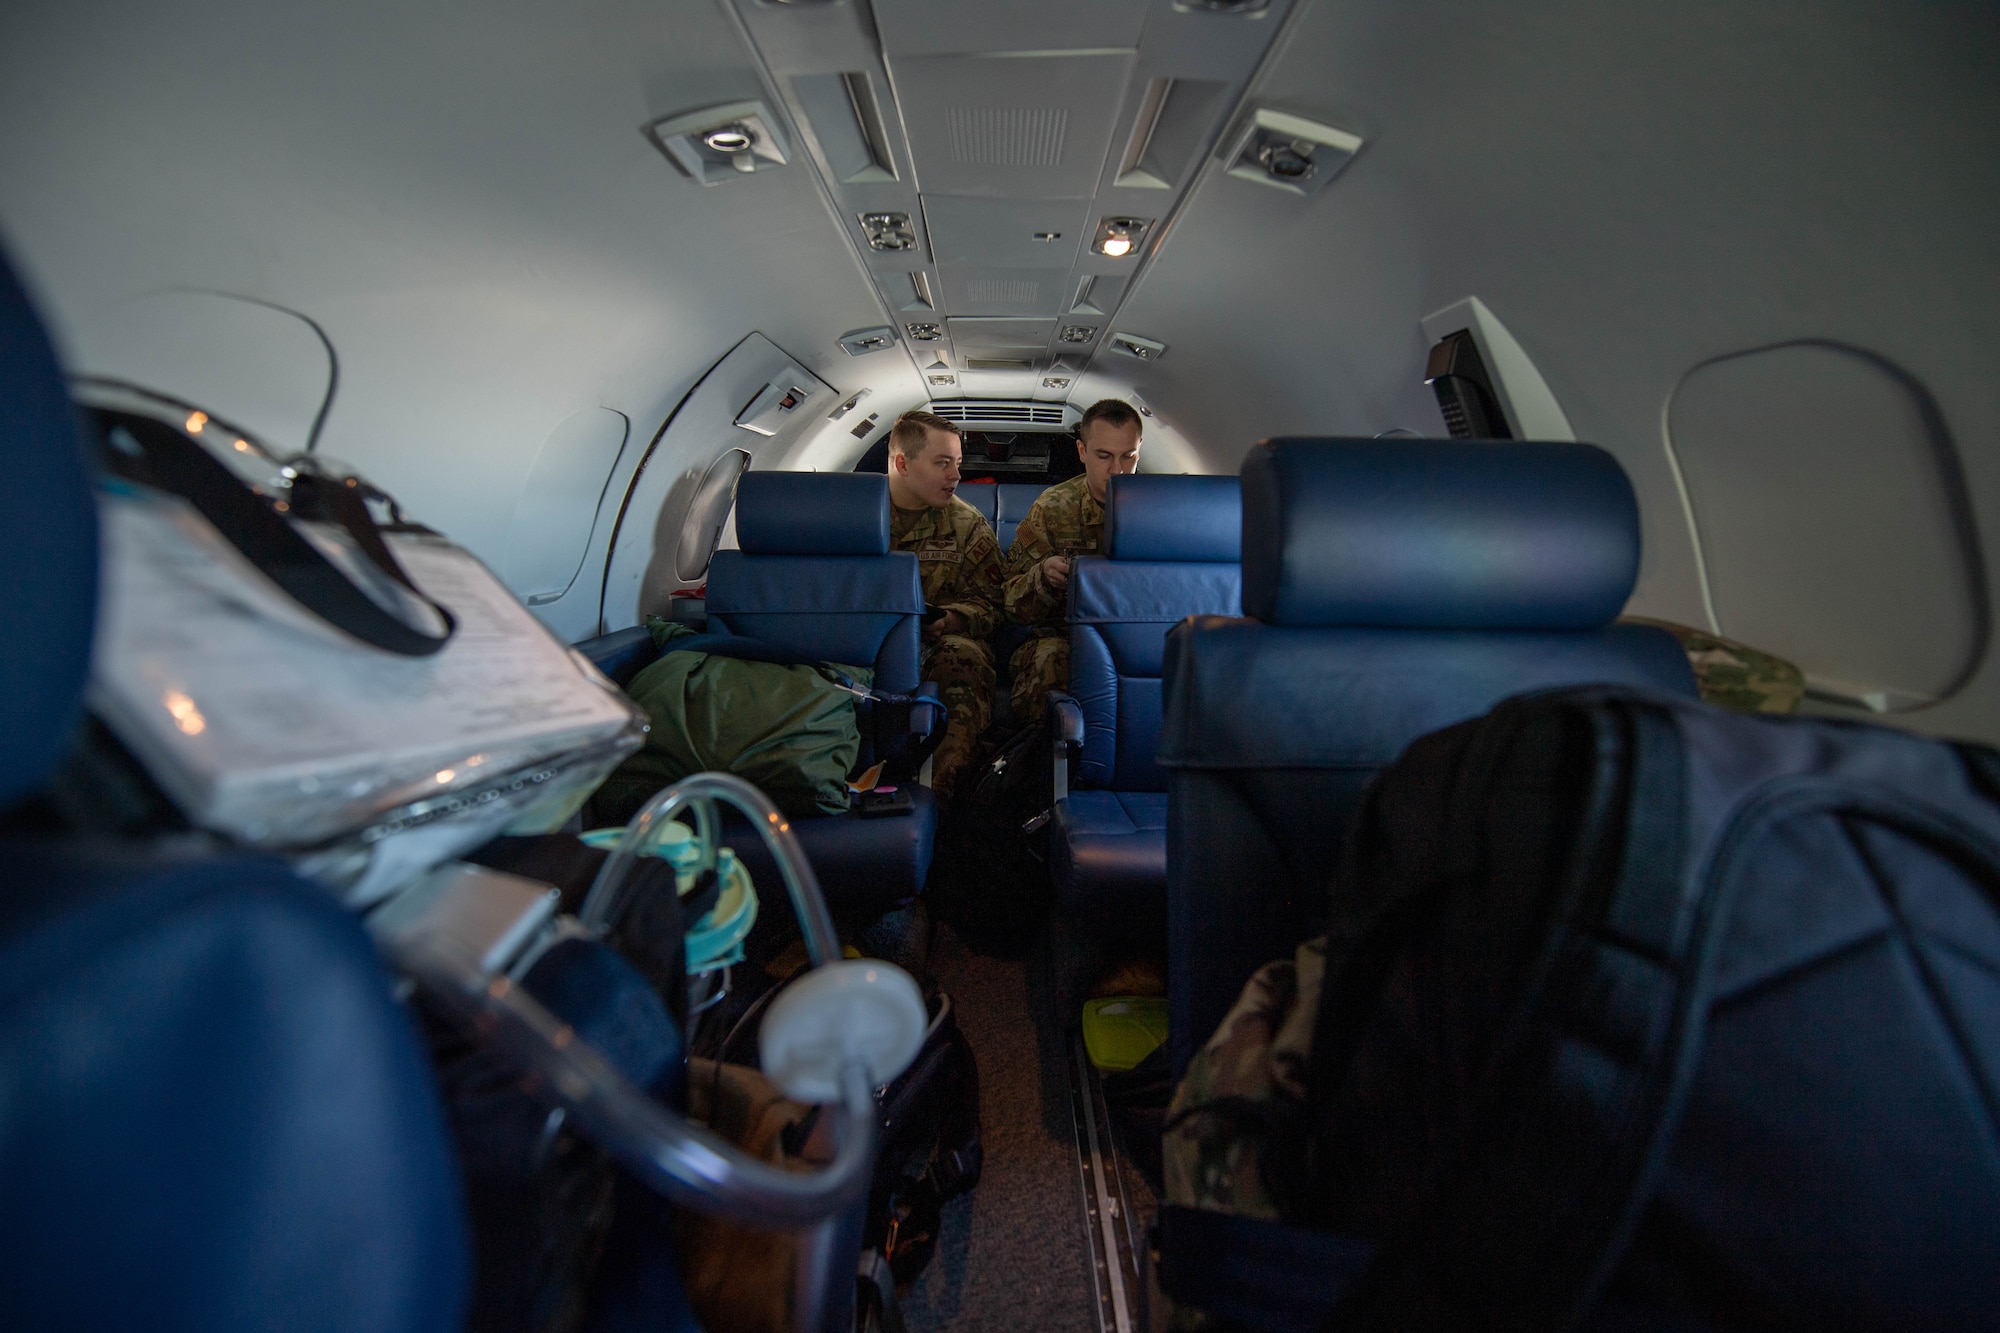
{"points": [[1290, 152], [1118, 237], [1077, 333], [923, 333], [852, 402], [889, 231], [720, 142]]}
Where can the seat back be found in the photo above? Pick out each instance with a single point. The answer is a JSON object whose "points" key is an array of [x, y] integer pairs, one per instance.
{"points": [[981, 495], [815, 576], [1174, 544], [217, 1116], [1391, 587], [815, 573], [1012, 501]]}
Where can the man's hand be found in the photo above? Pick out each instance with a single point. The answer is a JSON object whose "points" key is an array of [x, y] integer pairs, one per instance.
{"points": [[951, 622], [1055, 571]]}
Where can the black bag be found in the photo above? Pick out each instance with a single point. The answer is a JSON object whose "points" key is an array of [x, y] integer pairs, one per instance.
{"points": [[929, 1151], [1642, 1013], [995, 887]]}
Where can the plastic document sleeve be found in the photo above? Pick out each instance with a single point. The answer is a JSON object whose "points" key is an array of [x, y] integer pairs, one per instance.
{"points": [[266, 724]]}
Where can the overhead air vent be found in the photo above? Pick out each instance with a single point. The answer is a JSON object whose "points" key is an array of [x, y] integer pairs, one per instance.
{"points": [[998, 363], [923, 333], [718, 143], [1131, 344], [983, 136], [889, 231], [1290, 152], [863, 341], [1055, 381], [1173, 121], [1002, 291], [1077, 333], [1018, 414], [942, 381]]}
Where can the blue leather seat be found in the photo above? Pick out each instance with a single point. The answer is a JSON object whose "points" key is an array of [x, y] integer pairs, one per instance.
{"points": [[983, 496], [1391, 587], [216, 1117], [1011, 502], [1173, 546], [815, 575]]}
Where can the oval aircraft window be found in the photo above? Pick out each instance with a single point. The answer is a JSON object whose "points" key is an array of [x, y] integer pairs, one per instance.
{"points": [[707, 513], [1831, 515]]}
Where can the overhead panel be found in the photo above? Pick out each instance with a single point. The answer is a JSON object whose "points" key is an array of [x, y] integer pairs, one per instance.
{"points": [[1004, 256], [1027, 126], [949, 27]]}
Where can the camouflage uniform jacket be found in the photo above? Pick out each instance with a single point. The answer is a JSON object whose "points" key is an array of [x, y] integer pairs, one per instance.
{"points": [[1733, 675], [958, 560], [1065, 520], [1215, 1155]]}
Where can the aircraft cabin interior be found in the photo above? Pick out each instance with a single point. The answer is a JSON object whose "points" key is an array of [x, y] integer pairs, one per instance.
{"points": [[1119, 665]]}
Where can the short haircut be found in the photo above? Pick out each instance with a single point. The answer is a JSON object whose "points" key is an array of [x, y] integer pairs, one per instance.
{"points": [[911, 431], [1115, 412]]}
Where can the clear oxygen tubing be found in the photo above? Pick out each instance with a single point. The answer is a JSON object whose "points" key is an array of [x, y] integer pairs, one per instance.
{"points": [[606, 899], [687, 1164]]}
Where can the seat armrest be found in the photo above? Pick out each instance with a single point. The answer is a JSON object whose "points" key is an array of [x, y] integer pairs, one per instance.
{"points": [[621, 654], [924, 720], [1066, 721]]}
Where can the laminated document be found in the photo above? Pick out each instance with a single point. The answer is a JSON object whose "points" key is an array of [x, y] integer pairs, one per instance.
{"points": [[266, 724]]}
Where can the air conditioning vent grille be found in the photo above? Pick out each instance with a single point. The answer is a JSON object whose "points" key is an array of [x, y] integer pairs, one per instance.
{"points": [[1032, 414]]}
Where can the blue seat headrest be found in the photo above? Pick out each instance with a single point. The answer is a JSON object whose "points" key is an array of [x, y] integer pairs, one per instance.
{"points": [[813, 513], [1174, 518], [1437, 534], [48, 533]]}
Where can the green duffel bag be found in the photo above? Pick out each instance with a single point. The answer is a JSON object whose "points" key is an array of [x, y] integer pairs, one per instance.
{"points": [[790, 730]]}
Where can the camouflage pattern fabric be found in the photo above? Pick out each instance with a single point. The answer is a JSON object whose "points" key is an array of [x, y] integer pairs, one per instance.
{"points": [[1241, 1088], [1065, 521], [963, 670], [1039, 665], [1733, 675], [958, 562]]}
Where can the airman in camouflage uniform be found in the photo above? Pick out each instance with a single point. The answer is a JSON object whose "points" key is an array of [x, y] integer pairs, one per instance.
{"points": [[1733, 675], [958, 560], [1066, 521]]}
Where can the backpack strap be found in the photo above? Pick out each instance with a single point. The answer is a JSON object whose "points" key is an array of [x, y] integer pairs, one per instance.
{"points": [[1526, 1217]]}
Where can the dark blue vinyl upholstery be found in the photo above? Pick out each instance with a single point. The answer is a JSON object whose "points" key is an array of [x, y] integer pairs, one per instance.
{"points": [[50, 531], [214, 1116], [840, 606], [983, 496], [1173, 542], [1012, 501], [1500, 567], [812, 513], [219, 1118]]}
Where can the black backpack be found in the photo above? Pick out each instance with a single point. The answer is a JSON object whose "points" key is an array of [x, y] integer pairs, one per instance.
{"points": [[1643, 1015], [1634, 1005], [995, 887]]}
